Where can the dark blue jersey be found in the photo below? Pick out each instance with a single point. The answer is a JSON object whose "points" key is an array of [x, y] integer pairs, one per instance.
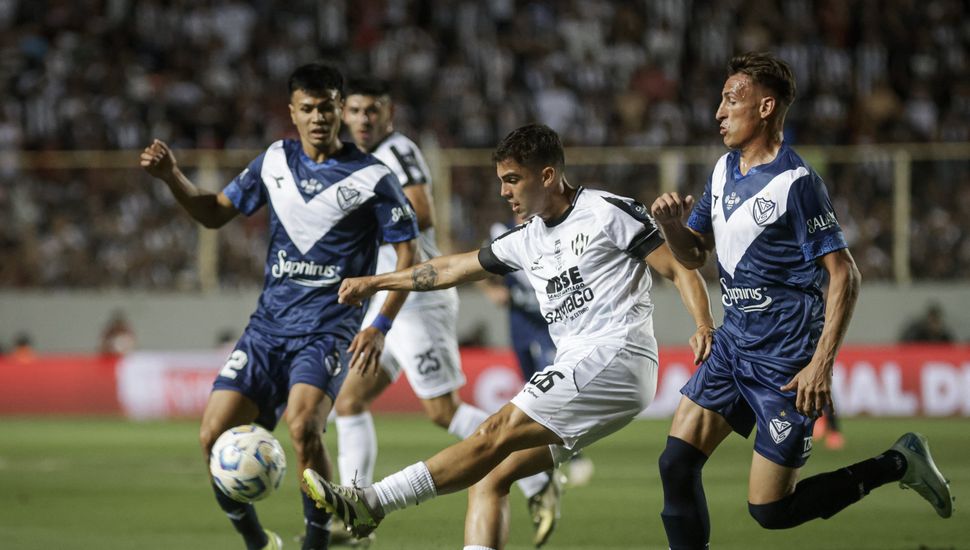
{"points": [[770, 226], [326, 222]]}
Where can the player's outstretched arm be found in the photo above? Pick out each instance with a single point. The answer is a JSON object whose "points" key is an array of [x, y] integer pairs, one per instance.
{"points": [[688, 246], [435, 274], [368, 344], [693, 292], [813, 384], [210, 209]]}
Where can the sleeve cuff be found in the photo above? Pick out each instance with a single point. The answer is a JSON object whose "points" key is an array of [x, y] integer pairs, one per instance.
{"points": [[646, 242], [820, 247], [491, 263]]}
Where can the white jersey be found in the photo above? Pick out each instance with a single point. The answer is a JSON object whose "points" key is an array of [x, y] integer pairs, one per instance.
{"points": [[588, 272], [403, 157]]}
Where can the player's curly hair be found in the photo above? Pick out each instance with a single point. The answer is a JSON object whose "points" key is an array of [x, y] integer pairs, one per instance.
{"points": [[317, 79], [533, 145], [767, 70]]}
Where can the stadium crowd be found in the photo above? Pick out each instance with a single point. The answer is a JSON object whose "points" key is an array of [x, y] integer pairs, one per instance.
{"points": [[112, 74]]}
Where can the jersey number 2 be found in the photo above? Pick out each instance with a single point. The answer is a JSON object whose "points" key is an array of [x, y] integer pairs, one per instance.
{"points": [[236, 362]]}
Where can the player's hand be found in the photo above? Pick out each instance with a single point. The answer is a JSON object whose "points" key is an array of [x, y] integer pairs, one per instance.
{"points": [[355, 290], [671, 208], [158, 160], [365, 351], [813, 387], [701, 342]]}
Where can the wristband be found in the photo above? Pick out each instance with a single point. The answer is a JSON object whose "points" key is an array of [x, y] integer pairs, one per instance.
{"points": [[382, 323]]}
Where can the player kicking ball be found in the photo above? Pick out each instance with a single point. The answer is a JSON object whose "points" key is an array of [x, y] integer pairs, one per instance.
{"points": [[586, 254], [769, 217]]}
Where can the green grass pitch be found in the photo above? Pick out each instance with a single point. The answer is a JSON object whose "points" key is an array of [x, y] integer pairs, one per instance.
{"points": [[111, 484]]}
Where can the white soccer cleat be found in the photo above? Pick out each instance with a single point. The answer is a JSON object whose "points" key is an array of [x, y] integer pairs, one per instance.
{"points": [[274, 541], [545, 508], [922, 475], [345, 503]]}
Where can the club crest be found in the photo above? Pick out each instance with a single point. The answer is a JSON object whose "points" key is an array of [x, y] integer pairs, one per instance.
{"points": [[779, 429], [763, 209], [579, 243], [348, 198]]}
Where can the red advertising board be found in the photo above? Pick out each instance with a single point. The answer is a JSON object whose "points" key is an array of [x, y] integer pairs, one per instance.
{"points": [[869, 380]]}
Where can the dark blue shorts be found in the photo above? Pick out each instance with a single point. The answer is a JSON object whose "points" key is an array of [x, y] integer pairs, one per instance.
{"points": [[532, 344], [264, 367], [746, 393]]}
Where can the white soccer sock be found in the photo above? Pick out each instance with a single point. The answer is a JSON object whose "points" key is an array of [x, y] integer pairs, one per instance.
{"points": [[466, 420], [356, 449], [476, 547], [534, 484], [412, 485]]}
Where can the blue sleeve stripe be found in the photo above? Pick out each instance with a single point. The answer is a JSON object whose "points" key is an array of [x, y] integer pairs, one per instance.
{"points": [[820, 247]]}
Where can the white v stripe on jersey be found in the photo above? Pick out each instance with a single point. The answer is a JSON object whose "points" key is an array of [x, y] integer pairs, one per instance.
{"points": [[735, 234], [306, 222]]}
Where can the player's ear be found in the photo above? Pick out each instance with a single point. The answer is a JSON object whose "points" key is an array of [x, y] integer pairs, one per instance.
{"points": [[768, 105], [548, 176]]}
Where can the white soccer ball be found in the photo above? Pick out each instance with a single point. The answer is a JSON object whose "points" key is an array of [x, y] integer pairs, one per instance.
{"points": [[247, 463]]}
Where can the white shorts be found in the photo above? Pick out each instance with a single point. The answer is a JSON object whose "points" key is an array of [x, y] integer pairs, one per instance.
{"points": [[586, 400], [423, 343]]}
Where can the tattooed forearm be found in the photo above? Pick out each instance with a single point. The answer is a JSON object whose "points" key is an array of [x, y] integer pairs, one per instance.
{"points": [[424, 277]]}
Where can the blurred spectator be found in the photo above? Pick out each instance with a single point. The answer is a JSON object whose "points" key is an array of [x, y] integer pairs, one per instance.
{"points": [[928, 328], [110, 75], [117, 338], [23, 349]]}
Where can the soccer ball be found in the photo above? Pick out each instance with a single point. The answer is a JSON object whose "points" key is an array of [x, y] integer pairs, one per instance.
{"points": [[247, 463]]}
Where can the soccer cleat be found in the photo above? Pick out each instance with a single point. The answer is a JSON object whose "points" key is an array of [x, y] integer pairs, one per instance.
{"points": [[345, 503], [834, 441], [545, 507], [922, 475], [579, 471], [273, 542], [340, 535]]}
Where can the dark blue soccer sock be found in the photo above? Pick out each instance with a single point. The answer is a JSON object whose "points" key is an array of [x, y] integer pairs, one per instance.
{"points": [[317, 525], [824, 495], [685, 515], [243, 518]]}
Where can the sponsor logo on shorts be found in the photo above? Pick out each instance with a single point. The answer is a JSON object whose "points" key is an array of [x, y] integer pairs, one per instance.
{"points": [[779, 429], [806, 446]]}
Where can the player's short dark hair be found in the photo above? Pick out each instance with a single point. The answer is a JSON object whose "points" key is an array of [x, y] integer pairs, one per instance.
{"points": [[317, 79], [368, 85], [534, 145], [767, 70]]}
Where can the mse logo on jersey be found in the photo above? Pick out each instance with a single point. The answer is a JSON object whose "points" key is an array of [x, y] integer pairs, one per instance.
{"points": [[570, 284]]}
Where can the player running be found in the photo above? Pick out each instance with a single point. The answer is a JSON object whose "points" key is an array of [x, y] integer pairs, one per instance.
{"points": [[769, 216], [330, 206], [586, 254], [424, 342]]}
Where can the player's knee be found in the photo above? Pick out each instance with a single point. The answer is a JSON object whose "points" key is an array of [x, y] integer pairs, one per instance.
{"points": [[441, 417], [774, 515], [349, 405], [680, 462]]}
